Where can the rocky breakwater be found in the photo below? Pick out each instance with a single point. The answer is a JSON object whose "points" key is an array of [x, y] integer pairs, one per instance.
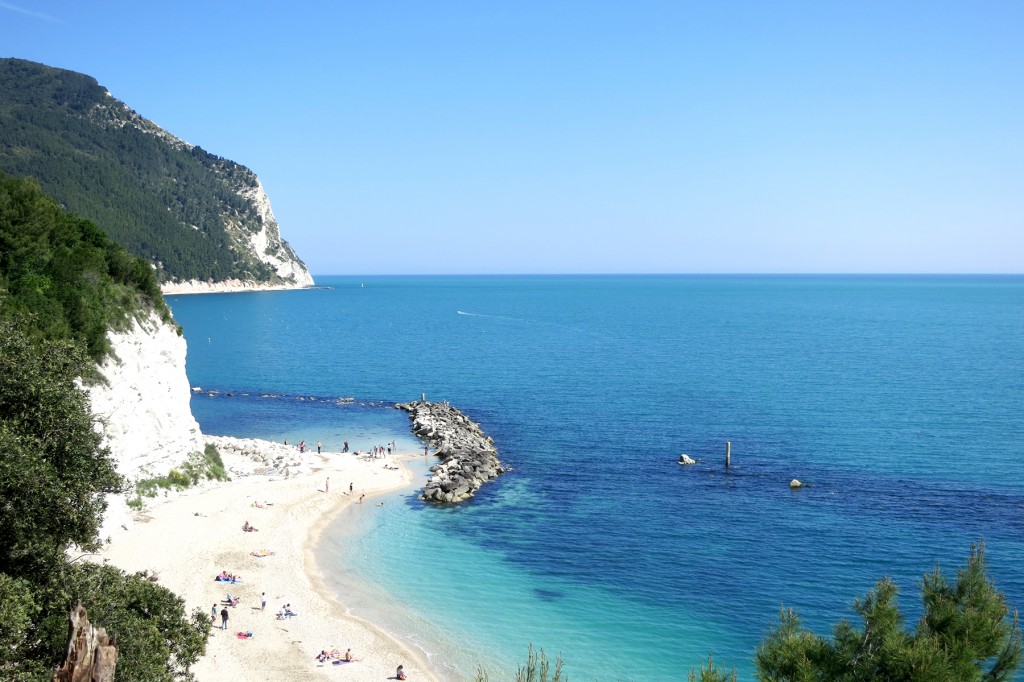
{"points": [[469, 458]]}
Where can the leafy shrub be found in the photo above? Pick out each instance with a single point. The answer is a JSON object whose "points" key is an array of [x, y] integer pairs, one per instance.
{"points": [[206, 465]]}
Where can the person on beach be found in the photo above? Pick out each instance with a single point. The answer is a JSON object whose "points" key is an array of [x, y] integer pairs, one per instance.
{"points": [[327, 485], [350, 488], [318, 446], [400, 673], [263, 601], [361, 498], [349, 656], [224, 618], [345, 447], [302, 446], [213, 613]]}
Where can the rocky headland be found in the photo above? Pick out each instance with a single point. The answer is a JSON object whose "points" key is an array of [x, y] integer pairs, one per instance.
{"points": [[469, 458], [202, 221]]}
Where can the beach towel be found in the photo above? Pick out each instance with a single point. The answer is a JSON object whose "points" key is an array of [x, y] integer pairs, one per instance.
{"points": [[244, 635]]}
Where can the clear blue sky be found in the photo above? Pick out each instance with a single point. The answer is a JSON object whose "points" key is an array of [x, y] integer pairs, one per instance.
{"points": [[566, 137]]}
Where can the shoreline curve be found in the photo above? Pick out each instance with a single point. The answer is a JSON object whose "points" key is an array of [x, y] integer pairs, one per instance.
{"points": [[189, 537]]}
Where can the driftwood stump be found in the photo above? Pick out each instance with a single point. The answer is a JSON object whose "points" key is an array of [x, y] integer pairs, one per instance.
{"points": [[92, 656]]}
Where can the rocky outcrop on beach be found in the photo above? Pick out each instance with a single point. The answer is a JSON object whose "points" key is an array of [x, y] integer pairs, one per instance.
{"points": [[469, 458], [255, 457]]}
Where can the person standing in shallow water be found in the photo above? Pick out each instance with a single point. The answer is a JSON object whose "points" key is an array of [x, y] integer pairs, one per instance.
{"points": [[318, 446]]}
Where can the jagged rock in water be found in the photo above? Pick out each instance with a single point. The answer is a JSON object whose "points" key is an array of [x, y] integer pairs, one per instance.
{"points": [[469, 456], [92, 656]]}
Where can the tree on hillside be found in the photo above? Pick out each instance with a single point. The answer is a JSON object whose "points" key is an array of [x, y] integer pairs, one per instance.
{"points": [[53, 472], [965, 635], [53, 476], [63, 277], [183, 209]]}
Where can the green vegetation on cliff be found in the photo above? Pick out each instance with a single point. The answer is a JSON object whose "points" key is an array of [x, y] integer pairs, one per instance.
{"points": [[158, 197], [62, 284], [53, 475], [62, 276]]}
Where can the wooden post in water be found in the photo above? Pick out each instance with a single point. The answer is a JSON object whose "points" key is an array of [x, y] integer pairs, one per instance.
{"points": [[728, 453]]}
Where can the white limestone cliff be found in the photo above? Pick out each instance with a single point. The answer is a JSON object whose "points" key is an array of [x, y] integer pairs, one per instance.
{"points": [[267, 244], [253, 232], [143, 408], [264, 244]]}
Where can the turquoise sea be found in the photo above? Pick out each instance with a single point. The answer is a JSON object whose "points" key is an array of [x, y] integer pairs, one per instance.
{"points": [[899, 401]]}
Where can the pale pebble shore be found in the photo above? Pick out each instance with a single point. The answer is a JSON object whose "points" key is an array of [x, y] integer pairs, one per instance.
{"points": [[231, 286], [188, 538]]}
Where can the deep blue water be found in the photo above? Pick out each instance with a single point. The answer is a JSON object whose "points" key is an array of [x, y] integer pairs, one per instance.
{"points": [[899, 401]]}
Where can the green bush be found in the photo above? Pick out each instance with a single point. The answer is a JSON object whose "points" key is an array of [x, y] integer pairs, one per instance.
{"points": [[206, 465], [710, 673], [965, 635]]}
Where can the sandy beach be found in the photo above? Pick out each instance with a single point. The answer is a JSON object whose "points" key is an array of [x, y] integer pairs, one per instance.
{"points": [[188, 538]]}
